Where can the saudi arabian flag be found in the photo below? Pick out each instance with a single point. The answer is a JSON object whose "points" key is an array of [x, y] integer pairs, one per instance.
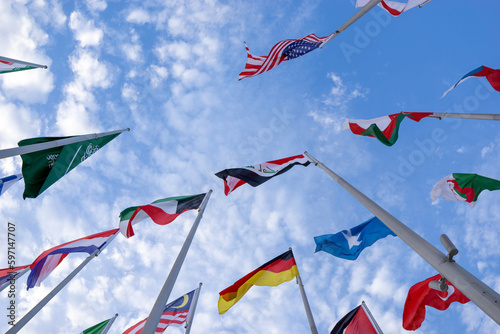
{"points": [[41, 169], [100, 327], [463, 187], [162, 211]]}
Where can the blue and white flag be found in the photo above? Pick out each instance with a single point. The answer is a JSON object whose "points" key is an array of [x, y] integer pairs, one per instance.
{"points": [[7, 181], [348, 244]]}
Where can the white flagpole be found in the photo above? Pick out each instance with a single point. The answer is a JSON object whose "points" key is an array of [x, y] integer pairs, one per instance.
{"points": [[24, 320], [487, 299], [353, 19], [157, 310], [10, 152], [372, 319], [488, 117], [21, 273], [192, 309], [10, 60], [110, 323]]}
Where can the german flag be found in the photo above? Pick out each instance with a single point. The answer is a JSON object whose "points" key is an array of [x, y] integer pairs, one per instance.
{"points": [[280, 269]]}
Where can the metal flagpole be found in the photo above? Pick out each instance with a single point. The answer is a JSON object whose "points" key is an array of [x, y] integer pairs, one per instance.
{"points": [[310, 317], [10, 152], [353, 19], [192, 309], [10, 60], [488, 117], [482, 295], [161, 301], [372, 319], [110, 323], [24, 320], [21, 273]]}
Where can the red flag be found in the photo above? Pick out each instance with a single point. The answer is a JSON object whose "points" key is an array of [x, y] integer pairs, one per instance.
{"points": [[420, 295], [355, 322]]}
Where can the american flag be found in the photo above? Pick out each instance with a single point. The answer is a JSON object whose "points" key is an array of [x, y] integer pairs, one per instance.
{"points": [[175, 314], [284, 50]]}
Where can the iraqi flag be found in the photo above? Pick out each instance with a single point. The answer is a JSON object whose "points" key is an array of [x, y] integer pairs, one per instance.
{"points": [[421, 295], [50, 259], [257, 174], [356, 322], [463, 187], [384, 128], [392, 7], [493, 77], [162, 211]]}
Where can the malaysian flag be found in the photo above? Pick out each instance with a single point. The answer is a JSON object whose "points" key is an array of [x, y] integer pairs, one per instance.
{"points": [[175, 314], [284, 50]]}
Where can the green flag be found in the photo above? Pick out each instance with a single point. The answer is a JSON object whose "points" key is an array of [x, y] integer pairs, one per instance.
{"points": [[41, 169], [97, 329]]}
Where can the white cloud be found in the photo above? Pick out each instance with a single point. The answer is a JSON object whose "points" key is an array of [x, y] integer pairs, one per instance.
{"points": [[84, 30], [139, 16], [96, 5]]}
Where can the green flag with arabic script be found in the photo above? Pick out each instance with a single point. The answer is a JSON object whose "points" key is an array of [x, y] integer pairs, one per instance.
{"points": [[42, 169]]}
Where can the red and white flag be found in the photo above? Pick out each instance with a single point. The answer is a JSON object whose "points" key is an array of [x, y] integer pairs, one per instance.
{"points": [[257, 174], [421, 295], [393, 7]]}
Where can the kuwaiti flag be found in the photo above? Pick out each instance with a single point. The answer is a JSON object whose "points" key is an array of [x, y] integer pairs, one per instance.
{"points": [[356, 321], [463, 187], [8, 274], [8, 65], [50, 259], [8, 181], [383, 128], [394, 8], [348, 244], [257, 174], [493, 77], [162, 211], [174, 314]]}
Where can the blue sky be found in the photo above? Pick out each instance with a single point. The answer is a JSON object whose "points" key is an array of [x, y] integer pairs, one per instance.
{"points": [[168, 71]]}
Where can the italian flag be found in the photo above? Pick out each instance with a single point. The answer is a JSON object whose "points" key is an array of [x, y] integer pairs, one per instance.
{"points": [[383, 128], [463, 187], [162, 211]]}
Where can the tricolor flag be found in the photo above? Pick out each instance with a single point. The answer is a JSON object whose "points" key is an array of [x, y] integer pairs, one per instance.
{"points": [[393, 7], [8, 65], [279, 270], [257, 174], [8, 181], [162, 211], [175, 314], [357, 321], [383, 128], [101, 327], [41, 169], [421, 295], [493, 77], [463, 187], [7, 274], [50, 259], [348, 244], [284, 50]]}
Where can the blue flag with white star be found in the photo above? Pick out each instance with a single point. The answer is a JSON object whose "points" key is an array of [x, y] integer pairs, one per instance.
{"points": [[348, 244]]}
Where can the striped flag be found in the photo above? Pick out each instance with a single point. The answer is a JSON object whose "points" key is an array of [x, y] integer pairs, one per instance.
{"points": [[493, 77], [162, 211], [51, 258], [10, 273], [175, 314], [8, 181], [8, 65], [284, 50], [392, 7], [257, 174]]}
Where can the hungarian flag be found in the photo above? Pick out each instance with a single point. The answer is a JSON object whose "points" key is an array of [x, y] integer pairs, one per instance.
{"points": [[101, 327], [356, 322], [348, 244], [257, 174], [383, 128], [51, 258], [279, 270], [8, 65], [421, 295], [41, 169], [493, 77], [393, 7], [174, 314], [8, 181], [8, 274], [162, 211], [284, 50], [463, 187]]}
